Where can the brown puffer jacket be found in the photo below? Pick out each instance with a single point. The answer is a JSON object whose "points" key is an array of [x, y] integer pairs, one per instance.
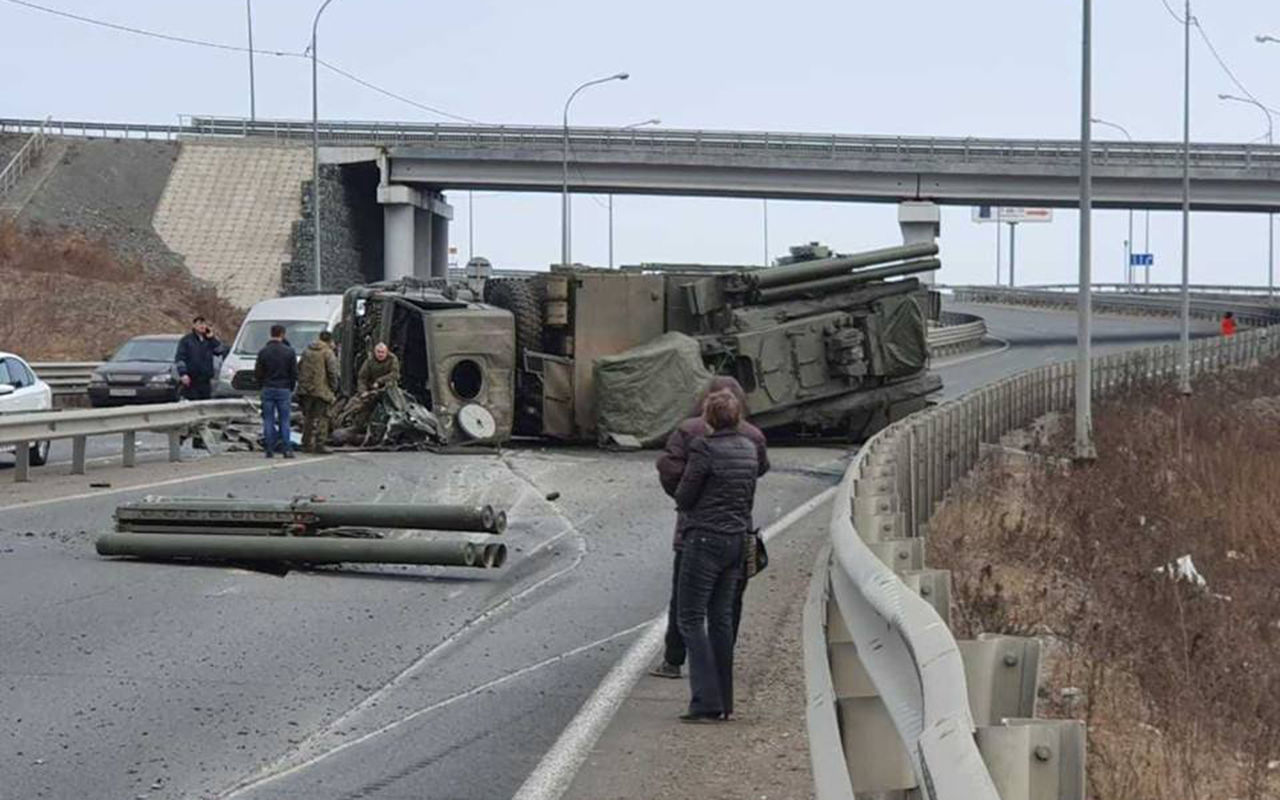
{"points": [[671, 463], [318, 372], [718, 488]]}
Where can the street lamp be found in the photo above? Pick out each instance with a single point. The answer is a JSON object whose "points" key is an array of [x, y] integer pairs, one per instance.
{"points": [[564, 187], [248, 10], [1084, 448], [315, 143], [654, 121], [1264, 38], [1184, 360], [1128, 244], [1271, 232]]}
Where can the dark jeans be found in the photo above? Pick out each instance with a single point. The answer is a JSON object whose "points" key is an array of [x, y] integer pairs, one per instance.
{"points": [[710, 571], [275, 420], [674, 652]]}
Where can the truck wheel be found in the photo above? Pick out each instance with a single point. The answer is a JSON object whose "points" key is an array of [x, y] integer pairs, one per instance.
{"points": [[522, 299]]}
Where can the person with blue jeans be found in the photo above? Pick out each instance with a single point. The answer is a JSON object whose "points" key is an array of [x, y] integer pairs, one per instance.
{"points": [[716, 495], [277, 373]]}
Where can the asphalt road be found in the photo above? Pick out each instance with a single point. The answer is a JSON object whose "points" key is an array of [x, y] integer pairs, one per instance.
{"points": [[130, 680], [124, 679]]}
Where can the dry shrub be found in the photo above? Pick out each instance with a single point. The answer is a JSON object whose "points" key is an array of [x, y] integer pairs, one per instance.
{"points": [[1177, 682], [64, 296]]}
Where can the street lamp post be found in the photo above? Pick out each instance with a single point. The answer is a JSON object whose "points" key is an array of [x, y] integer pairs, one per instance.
{"points": [[1084, 334], [565, 246], [1271, 230], [654, 121], [1128, 244], [315, 144], [1184, 361], [248, 10]]}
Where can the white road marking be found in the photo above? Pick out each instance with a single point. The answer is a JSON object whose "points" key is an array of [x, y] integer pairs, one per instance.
{"points": [[170, 482], [448, 701], [555, 772]]}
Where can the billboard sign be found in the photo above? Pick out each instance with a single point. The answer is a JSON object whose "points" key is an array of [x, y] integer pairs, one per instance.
{"points": [[1011, 214]]}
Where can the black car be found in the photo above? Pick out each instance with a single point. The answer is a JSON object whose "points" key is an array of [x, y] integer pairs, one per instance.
{"points": [[141, 371]]}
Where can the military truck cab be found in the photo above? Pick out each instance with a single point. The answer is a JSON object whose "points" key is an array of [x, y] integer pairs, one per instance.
{"points": [[453, 352]]}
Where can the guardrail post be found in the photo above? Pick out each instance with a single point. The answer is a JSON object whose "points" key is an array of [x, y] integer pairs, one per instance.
{"points": [[130, 448], [1035, 759], [934, 585], [175, 445], [1002, 674], [22, 462], [77, 454], [873, 752]]}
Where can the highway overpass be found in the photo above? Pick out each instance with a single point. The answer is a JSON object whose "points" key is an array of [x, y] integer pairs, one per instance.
{"points": [[785, 165]]}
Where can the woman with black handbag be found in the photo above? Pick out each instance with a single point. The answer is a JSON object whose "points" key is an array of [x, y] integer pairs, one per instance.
{"points": [[716, 495]]}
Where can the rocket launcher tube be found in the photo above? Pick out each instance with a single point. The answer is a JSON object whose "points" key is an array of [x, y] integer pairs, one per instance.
{"points": [[198, 512], [840, 282], [300, 549], [807, 271]]}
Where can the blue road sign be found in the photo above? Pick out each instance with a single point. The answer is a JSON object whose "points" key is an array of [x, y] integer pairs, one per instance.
{"points": [[1141, 260]]}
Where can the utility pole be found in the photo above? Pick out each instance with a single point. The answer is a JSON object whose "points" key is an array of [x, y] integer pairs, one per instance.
{"points": [[1085, 450], [1013, 252], [253, 110], [765, 226], [1184, 360]]}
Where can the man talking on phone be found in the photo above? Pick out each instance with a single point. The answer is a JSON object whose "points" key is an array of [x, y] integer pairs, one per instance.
{"points": [[194, 360]]}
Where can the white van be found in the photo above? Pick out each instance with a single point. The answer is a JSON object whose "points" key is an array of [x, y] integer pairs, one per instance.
{"points": [[303, 317]]}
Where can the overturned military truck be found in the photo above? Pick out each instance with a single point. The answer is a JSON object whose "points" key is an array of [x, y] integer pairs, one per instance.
{"points": [[822, 344]]}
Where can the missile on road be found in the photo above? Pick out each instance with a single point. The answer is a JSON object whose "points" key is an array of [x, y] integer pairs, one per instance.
{"points": [[298, 517], [300, 549]]}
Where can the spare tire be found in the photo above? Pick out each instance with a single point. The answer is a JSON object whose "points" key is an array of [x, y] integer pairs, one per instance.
{"points": [[523, 299]]}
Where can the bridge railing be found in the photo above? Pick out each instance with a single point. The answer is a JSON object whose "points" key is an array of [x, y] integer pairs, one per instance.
{"points": [[1247, 309], [898, 706], [1247, 157]]}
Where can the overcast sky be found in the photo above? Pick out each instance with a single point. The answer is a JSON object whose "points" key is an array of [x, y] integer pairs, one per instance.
{"points": [[988, 68]]}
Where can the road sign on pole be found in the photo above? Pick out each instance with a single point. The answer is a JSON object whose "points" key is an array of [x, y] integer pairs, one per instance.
{"points": [[1011, 214], [1142, 260]]}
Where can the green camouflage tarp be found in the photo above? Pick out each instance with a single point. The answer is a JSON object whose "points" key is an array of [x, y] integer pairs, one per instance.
{"points": [[645, 391]]}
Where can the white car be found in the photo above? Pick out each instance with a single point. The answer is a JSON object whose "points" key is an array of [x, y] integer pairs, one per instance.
{"points": [[21, 390]]}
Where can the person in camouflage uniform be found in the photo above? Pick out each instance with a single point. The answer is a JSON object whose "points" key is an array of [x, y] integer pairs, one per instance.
{"points": [[380, 371], [317, 382]]}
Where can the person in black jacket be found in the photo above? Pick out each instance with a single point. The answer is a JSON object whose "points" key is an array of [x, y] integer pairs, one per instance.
{"points": [[716, 495], [671, 466], [194, 360], [277, 374]]}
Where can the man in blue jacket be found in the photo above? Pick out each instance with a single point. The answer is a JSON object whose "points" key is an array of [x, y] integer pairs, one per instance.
{"points": [[277, 374], [194, 360]]}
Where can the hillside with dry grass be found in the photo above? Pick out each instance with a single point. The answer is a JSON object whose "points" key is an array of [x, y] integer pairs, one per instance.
{"points": [[1175, 669], [66, 296]]}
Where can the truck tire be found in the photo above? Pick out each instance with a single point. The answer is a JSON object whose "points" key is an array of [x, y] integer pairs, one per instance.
{"points": [[39, 454], [522, 299]]}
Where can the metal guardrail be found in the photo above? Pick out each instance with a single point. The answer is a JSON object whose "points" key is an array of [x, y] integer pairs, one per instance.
{"points": [[23, 159], [27, 429], [66, 377], [748, 144], [957, 333], [1247, 310], [912, 708]]}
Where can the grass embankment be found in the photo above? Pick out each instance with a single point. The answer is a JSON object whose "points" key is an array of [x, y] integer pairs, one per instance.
{"points": [[1178, 682], [64, 296]]}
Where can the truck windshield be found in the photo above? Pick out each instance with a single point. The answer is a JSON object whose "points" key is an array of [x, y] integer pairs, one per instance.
{"points": [[159, 350], [298, 333]]}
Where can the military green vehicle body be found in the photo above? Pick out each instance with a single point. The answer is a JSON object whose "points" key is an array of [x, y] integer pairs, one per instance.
{"points": [[453, 352], [821, 344]]}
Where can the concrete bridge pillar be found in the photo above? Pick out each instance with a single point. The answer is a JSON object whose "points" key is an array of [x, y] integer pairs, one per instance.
{"points": [[415, 232], [920, 221]]}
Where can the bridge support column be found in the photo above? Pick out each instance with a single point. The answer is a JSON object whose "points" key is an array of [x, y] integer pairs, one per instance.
{"points": [[920, 221], [415, 232]]}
